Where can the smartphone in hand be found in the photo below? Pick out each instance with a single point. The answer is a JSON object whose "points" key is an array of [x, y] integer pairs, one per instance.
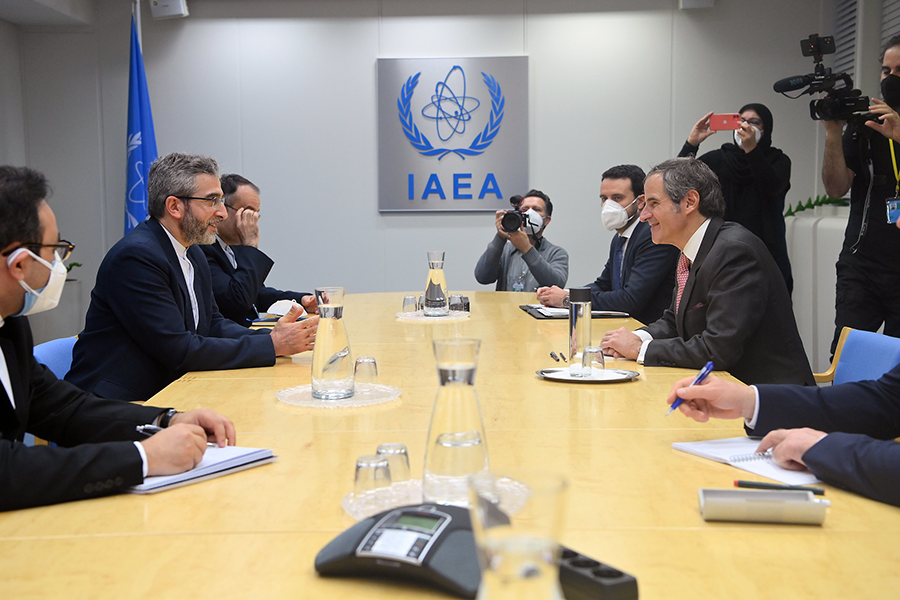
{"points": [[725, 122]]}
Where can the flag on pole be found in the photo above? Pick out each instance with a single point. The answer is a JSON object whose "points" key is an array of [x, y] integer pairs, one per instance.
{"points": [[141, 138]]}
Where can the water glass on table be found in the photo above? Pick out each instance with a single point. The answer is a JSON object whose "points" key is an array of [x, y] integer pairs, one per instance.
{"points": [[519, 558], [372, 482], [410, 304], [592, 358], [365, 370]]}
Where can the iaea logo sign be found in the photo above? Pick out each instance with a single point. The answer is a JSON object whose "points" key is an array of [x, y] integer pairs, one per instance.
{"points": [[448, 143]]}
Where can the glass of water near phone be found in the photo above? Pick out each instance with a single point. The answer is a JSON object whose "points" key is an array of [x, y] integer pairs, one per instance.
{"points": [[517, 517]]}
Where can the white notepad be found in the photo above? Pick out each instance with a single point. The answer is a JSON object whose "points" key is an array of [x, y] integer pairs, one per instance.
{"points": [[216, 462], [550, 311], [740, 452]]}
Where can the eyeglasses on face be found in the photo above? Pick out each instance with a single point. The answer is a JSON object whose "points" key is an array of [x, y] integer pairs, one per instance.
{"points": [[214, 202], [258, 214], [753, 121], [63, 249]]}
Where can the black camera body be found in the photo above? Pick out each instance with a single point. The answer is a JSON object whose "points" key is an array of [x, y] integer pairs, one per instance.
{"points": [[512, 221], [843, 103]]}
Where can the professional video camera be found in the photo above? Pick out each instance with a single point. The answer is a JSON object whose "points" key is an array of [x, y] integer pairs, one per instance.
{"points": [[843, 103], [513, 219]]}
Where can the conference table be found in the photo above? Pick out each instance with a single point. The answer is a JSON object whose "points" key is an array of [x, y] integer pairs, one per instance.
{"points": [[632, 502]]}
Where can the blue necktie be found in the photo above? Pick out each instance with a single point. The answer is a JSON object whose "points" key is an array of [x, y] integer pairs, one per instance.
{"points": [[617, 263]]}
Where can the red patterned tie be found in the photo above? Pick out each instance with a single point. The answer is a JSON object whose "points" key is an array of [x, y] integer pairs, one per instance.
{"points": [[684, 267]]}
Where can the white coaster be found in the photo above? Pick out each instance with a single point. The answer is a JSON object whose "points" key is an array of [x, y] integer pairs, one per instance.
{"points": [[419, 315], [366, 394], [401, 493]]}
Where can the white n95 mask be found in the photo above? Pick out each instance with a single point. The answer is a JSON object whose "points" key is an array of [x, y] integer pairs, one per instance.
{"points": [[740, 142], [534, 223], [613, 215], [48, 296]]}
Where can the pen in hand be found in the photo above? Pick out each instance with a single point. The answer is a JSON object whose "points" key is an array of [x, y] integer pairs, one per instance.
{"points": [[149, 430], [704, 372]]}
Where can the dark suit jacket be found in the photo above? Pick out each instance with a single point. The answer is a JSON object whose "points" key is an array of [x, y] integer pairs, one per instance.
{"points": [[238, 291], [648, 277], [735, 311], [58, 411], [862, 457], [139, 332]]}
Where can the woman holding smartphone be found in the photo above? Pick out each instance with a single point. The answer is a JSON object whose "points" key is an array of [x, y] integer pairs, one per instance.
{"points": [[755, 178]]}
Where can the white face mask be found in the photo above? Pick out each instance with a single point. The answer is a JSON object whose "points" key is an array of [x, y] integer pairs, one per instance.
{"points": [[740, 142], [614, 215], [48, 296], [535, 222]]}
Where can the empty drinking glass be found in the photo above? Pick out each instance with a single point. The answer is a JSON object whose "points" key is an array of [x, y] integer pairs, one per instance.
{"points": [[365, 371]]}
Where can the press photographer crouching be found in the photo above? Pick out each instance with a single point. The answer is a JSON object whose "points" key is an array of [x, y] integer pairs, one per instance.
{"points": [[519, 258]]}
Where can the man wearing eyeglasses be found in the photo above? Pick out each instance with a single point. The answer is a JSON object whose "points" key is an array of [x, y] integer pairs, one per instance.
{"points": [[152, 316], [100, 452], [237, 266]]}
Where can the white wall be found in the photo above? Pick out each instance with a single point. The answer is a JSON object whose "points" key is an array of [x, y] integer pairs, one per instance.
{"points": [[284, 93], [12, 116]]}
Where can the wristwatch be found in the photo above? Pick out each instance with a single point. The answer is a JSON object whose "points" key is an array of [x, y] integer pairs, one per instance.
{"points": [[166, 417], [566, 301]]}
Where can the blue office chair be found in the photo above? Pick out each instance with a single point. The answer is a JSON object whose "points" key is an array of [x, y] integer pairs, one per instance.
{"points": [[56, 355], [861, 355]]}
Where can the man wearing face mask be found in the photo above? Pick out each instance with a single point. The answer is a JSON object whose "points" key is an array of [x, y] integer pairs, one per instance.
{"points": [[99, 451], [153, 316], [861, 161], [523, 260], [755, 178], [639, 275]]}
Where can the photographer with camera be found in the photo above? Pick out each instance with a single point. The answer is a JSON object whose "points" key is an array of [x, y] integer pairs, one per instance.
{"points": [[519, 259], [755, 178], [859, 160]]}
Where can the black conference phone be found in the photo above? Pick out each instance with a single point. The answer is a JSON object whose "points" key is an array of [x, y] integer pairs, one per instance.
{"points": [[433, 544]]}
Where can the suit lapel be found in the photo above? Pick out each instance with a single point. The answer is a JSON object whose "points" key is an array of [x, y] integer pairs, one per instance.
{"points": [[177, 274], [686, 303]]}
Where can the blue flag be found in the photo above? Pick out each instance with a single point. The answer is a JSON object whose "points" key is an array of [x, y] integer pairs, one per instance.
{"points": [[141, 138]]}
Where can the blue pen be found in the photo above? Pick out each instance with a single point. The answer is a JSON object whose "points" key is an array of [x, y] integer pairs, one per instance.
{"points": [[704, 372]]}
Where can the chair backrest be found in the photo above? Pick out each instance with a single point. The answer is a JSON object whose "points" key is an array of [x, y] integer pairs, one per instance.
{"points": [[866, 355], [56, 355]]}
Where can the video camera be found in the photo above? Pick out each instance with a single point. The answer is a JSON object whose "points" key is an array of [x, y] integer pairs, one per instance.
{"points": [[843, 103]]}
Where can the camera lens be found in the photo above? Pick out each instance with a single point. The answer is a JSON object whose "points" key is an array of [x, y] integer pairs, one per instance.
{"points": [[511, 221]]}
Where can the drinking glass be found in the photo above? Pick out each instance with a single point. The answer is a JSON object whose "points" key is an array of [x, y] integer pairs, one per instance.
{"points": [[410, 304], [516, 519], [398, 461], [365, 371]]}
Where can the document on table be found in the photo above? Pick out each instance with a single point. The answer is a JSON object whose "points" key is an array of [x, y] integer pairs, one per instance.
{"points": [[216, 462], [550, 311], [740, 452]]}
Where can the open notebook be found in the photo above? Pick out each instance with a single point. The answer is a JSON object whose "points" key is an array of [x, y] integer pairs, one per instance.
{"points": [[216, 462], [740, 452]]}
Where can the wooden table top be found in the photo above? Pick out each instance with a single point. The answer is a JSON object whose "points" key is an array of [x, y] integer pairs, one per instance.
{"points": [[632, 501]]}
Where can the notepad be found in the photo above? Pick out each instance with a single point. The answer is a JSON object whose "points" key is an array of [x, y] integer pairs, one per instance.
{"points": [[741, 452], [216, 462], [559, 313]]}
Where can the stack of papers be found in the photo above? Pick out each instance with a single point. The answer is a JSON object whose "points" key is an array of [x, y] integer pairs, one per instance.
{"points": [[216, 462]]}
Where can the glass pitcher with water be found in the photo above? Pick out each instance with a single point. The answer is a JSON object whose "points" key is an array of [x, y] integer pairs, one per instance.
{"points": [[436, 304], [332, 367], [456, 446]]}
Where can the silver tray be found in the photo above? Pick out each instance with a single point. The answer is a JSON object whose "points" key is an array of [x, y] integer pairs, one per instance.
{"points": [[598, 375]]}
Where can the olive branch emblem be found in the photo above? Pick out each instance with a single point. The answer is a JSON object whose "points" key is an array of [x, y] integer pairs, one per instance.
{"points": [[481, 141]]}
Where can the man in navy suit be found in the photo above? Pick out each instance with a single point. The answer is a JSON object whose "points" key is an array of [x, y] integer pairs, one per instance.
{"points": [[152, 316], [236, 264], [730, 304], [99, 452], [844, 433], [639, 275]]}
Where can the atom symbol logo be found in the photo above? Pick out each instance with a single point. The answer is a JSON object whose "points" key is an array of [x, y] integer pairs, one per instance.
{"points": [[452, 121], [455, 118]]}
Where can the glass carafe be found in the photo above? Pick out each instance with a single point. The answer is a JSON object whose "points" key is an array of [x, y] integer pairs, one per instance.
{"points": [[436, 304], [456, 446], [332, 368]]}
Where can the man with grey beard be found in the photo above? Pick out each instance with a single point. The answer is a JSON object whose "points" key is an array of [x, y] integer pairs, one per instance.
{"points": [[153, 316]]}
